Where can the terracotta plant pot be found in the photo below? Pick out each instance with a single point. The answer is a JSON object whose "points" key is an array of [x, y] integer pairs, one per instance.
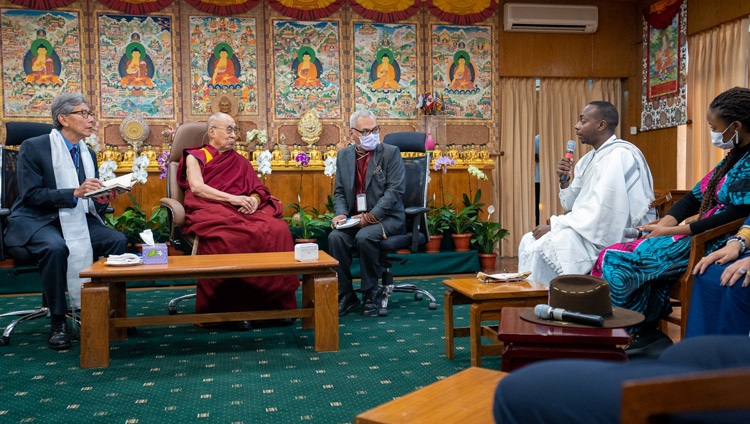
{"points": [[487, 261], [461, 242], [433, 246]]}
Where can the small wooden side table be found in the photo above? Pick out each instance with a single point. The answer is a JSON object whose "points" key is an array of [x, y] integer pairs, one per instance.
{"points": [[486, 300], [463, 397], [527, 342]]}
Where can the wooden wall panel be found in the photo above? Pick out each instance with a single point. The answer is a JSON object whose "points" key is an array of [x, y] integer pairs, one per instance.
{"points": [[703, 14]]}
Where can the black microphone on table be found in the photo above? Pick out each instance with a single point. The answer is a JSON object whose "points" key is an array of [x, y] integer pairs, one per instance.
{"points": [[633, 233], [558, 314], [569, 149]]}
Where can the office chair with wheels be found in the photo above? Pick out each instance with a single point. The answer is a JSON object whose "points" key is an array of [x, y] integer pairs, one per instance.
{"points": [[189, 134], [16, 133], [416, 170]]}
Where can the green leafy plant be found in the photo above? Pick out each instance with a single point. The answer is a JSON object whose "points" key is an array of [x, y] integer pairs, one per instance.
{"points": [[438, 220], [133, 221], [463, 221], [307, 221], [486, 235]]}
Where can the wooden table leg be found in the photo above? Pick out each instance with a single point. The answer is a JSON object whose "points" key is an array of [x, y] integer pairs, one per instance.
{"points": [[326, 310], [449, 342], [475, 335], [95, 325], [118, 309]]}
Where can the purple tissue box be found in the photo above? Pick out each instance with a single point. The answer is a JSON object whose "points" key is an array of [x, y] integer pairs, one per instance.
{"points": [[156, 254]]}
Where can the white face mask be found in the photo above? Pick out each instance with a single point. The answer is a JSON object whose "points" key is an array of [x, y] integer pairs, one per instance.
{"points": [[717, 139], [369, 142]]}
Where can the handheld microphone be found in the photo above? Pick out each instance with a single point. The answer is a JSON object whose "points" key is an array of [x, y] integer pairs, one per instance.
{"points": [[633, 233], [557, 314], [569, 149]]}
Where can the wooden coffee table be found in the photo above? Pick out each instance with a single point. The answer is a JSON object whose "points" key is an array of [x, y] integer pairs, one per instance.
{"points": [[103, 300], [463, 397], [486, 300], [527, 342]]}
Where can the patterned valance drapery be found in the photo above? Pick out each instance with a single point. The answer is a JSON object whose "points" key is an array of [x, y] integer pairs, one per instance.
{"points": [[385, 11], [136, 7], [223, 7], [306, 10], [42, 4], [462, 12]]}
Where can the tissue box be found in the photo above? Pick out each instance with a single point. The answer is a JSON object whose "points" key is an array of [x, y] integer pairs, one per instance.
{"points": [[305, 252], [154, 254]]}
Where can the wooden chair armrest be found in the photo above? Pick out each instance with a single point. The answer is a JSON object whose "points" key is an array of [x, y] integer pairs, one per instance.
{"points": [[702, 391], [175, 210]]}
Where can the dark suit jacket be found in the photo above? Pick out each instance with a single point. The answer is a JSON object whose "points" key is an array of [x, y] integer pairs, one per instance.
{"points": [[384, 186], [38, 196]]}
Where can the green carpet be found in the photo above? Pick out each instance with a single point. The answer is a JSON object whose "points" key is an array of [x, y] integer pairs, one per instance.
{"points": [[184, 373]]}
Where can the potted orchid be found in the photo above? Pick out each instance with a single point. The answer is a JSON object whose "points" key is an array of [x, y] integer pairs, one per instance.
{"points": [[306, 223], [462, 222], [485, 238], [133, 220]]}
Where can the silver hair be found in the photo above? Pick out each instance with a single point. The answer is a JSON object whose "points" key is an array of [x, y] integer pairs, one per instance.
{"points": [[63, 105], [364, 113]]}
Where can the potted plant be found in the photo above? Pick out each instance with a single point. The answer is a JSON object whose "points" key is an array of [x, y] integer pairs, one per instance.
{"points": [[305, 223], [438, 221], [133, 221], [462, 222], [486, 235]]}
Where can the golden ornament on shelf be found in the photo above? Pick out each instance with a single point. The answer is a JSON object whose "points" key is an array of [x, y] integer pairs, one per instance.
{"points": [[309, 127]]}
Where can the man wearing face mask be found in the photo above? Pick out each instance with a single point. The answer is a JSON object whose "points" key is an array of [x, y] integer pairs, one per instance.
{"points": [[369, 186], [638, 271]]}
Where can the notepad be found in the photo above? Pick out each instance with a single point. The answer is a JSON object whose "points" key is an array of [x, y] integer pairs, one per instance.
{"points": [[120, 184], [350, 222]]}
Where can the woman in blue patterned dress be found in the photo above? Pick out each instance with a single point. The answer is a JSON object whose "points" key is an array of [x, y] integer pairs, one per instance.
{"points": [[639, 272], [720, 303]]}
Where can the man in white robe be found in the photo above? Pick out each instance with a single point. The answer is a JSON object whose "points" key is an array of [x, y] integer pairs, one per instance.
{"points": [[612, 190]]}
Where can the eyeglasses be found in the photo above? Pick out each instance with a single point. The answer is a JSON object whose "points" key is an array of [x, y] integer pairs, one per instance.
{"points": [[230, 129], [85, 114], [367, 131]]}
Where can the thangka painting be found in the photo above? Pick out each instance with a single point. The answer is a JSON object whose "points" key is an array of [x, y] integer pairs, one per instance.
{"points": [[307, 69], [41, 59], [136, 68], [385, 61], [223, 59], [462, 69], [665, 74]]}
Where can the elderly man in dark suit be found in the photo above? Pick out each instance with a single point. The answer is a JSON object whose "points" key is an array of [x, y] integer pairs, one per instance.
{"points": [[51, 218], [369, 186]]}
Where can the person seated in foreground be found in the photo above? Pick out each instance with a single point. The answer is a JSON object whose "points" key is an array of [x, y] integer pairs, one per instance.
{"points": [[720, 303], [369, 185], [51, 218], [612, 190], [640, 271], [580, 391], [231, 211]]}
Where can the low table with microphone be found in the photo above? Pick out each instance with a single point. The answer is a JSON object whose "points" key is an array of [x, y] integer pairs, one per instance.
{"points": [[526, 342]]}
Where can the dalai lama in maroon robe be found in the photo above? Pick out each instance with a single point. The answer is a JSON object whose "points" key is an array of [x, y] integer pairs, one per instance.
{"points": [[231, 211]]}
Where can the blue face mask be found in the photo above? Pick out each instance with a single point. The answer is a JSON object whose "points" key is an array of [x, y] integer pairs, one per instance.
{"points": [[369, 142], [717, 139]]}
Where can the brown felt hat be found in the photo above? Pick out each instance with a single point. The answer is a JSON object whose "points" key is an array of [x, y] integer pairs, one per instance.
{"points": [[587, 295]]}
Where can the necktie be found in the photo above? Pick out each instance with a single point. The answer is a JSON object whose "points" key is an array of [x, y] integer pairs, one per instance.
{"points": [[73, 156]]}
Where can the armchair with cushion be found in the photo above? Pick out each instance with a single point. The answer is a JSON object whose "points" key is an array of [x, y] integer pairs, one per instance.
{"points": [[416, 169], [16, 133], [189, 134]]}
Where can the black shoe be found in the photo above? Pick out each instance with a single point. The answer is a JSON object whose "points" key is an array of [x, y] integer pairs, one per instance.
{"points": [[238, 325], [649, 343], [373, 300], [279, 322], [347, 302], [58, 338]]}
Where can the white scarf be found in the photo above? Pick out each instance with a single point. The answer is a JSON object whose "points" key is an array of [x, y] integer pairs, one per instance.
{"points": [[73, 220]]}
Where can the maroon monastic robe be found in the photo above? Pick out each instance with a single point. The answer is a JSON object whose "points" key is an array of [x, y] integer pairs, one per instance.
{"points": [[223, 229]]}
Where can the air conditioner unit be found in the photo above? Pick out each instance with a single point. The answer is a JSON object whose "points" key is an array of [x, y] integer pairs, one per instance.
{"points": [[582, 19]]}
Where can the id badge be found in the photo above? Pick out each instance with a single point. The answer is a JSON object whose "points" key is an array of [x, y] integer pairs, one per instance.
{"points": [[361, 202]]}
